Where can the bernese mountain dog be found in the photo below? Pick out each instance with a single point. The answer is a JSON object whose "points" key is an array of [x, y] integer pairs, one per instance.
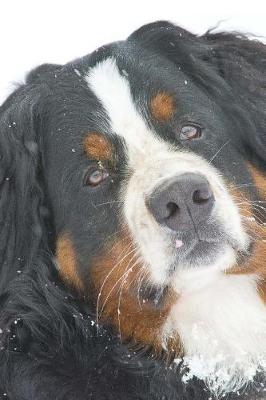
{"points": [[133, 224]]}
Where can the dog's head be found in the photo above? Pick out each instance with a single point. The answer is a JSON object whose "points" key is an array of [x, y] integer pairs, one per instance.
{"points": [[147, 159]]}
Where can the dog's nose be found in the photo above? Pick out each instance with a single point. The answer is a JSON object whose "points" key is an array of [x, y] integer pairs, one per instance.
{"points": [[183, 202]]}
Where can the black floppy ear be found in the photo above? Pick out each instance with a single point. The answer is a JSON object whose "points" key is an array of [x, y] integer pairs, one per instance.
{"points": [[21, 192], [241, 62], [157, 33], [228, 66]]}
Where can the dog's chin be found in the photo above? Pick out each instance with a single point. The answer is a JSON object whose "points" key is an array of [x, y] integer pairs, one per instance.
{"points": [[195, 268]]}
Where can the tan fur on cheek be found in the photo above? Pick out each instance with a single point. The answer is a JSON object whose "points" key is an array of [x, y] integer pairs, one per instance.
{"points": [[115, 278], [259, 179], [241, 200], [97, 147], [66, 259], [256, 263], [162, 106]]}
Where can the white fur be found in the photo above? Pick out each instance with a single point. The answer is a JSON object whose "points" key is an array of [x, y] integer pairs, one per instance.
{"points": [[226, 311], [222, 324]]}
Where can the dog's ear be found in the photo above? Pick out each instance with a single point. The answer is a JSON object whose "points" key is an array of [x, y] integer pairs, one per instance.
{"points": [[22, 203], [228, 66], [241, 62], [171, 41], [44, 71]]}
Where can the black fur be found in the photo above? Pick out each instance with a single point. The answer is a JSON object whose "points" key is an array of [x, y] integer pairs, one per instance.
{"points": [[50, 345]]}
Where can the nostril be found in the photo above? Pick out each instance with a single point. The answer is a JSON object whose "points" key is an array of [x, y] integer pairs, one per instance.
{"points": [[172, 209], [201, 196]]}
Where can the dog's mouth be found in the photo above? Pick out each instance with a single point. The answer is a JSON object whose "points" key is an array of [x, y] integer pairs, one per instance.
{"points": [[190, 253], [202, 247], [197, 252]]}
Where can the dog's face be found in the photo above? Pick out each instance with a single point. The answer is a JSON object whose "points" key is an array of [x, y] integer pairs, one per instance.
{"points": [[152, 164], [175, 204], [143, 163], [144, 171]]}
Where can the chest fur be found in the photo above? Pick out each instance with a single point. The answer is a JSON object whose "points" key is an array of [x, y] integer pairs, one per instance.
{"points": [[222, 326]]}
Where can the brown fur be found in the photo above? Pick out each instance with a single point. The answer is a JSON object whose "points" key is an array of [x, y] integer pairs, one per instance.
{"points": [[118, 303], [162, 106], [66, 259], [256, 263], [259, 179], [97, 147]]}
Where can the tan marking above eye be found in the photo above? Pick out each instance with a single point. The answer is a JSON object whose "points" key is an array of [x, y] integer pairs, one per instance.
{"points": [[162, 106], [97, 147], [67, 262]]}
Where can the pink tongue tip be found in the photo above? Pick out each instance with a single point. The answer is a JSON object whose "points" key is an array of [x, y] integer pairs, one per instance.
{"points": [[178, 243]]}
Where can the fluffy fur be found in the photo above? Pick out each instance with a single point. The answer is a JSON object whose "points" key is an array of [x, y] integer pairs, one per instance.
{"points": [[96, 301]]}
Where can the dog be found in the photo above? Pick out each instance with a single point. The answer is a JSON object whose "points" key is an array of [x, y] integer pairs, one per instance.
{"points": [[132, 203]]}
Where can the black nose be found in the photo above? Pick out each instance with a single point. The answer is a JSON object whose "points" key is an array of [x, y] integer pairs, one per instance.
{"points": [[183, 202]]}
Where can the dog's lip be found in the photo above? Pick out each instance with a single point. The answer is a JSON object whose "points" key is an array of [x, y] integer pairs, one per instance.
{"points": [[209, 233], [196, 245], [197, 250], [184, 245]]}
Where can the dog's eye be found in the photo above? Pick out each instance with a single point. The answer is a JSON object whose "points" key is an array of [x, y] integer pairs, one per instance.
{"points": [[95, 176], [189, 132]]}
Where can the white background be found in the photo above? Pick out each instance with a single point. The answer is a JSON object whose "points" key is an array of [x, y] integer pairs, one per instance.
{"points": [[34, 32]]}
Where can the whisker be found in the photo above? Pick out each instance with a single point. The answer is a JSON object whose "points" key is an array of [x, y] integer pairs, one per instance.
{"points": [[114, 286], [220, 149], [257, 218], [120, 297], [244, 184], [109, 202], [142, 275], [108, 275]]}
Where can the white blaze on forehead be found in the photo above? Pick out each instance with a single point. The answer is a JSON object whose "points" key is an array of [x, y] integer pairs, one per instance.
{"points": [[113, 90]]}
